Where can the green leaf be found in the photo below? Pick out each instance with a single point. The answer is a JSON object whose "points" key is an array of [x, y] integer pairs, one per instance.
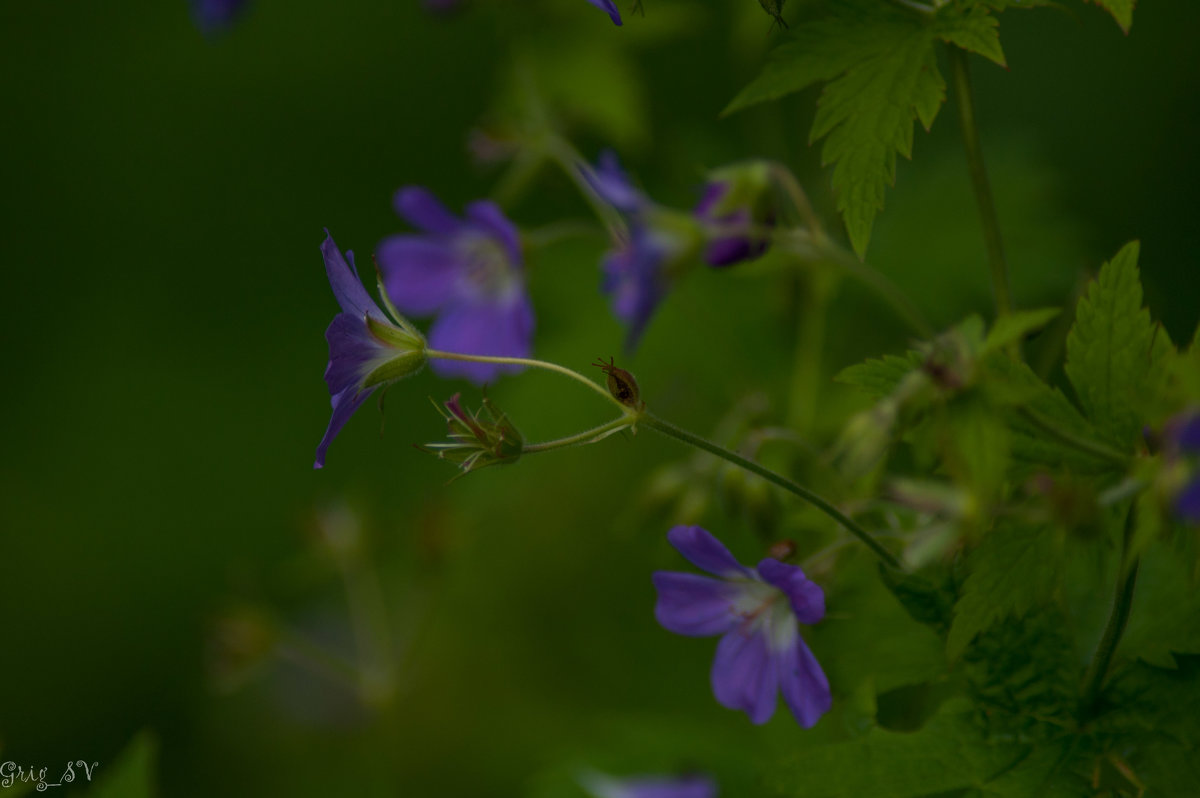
{"points": [[1015, 326], [880, 377], [1164, 619], [972, 28], [1122, 11], [1116, 357], [927, 597], [881, 73], [1012, 570], [949, 753], [132, 774]]}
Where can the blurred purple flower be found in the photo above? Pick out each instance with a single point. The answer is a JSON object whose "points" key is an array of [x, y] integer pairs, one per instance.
{"points": [[637, 275], [467, 271], [693, 786], [755, 610], [1182, 440], [608, 7], [213, 15], [366, 349], [737, 210]]}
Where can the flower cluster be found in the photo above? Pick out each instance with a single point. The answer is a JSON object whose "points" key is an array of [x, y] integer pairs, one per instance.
{"points": [[756, 611]]}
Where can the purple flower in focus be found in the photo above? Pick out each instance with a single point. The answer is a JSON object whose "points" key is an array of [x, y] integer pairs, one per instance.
{"points": [[735, 209], [608, 7], [638, 274], [366, 348], [755, 610], [213, 15], [693, 786], [1182, 439], [466, 271]]}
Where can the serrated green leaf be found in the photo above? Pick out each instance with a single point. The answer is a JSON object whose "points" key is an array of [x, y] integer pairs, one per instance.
{"points": [[1116, 357], [1012, 570], [881, 74], [1164, 619], [1015, 326], [972, 28], [1121, 10], [879, 377], [949, 753]]}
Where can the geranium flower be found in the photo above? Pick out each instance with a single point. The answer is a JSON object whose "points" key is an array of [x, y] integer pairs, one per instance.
{"points": [[608, 7], [736, 210], [467, 271], [367, 349], [1182, 436], [692, 786], [756, 611]]}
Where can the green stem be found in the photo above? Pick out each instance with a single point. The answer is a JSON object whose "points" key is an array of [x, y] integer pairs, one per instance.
{"points": [[669, 429], [593, 435], [525, 361], [573, 164], [1087, 445], [1122, 602], [961, 77]]}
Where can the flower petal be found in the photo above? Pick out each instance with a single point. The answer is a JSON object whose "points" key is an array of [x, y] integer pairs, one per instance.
{"points": [[693, 605], [612, 184], [419, 273], [347, 288], [692, 786], [487, 215], [420, 208], [634, 277], [806, 597], [610, 8], [743, 675], [344, 405], [479, 328], [351, 348], [706, 552], [1187, 438], [803, 683], [1187, 503]]}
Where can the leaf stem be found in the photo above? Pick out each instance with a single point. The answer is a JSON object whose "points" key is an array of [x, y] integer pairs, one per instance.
{"points": [[670, 430], [1087, 445], [525, 361], [593, 435], [961, 77], [1122, 602]]}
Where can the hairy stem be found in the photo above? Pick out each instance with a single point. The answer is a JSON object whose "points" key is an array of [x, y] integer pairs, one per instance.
{"points": [[961, 77], [669, 429], [1122, 602], [593, 435], [525, 361]]}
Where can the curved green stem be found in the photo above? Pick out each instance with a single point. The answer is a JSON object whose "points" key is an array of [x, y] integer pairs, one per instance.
{"points": [[593, 435], [669, 429], [1122, 602], [961, 77], [525, 361]]}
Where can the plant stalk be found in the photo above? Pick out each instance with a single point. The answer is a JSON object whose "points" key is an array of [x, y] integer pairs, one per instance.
{"points": [[1122, 602]]}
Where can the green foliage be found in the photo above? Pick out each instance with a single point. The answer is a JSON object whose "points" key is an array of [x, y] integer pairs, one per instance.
{"points": [[927, 597], [879, 377], [1012, 571], [1122, 11], [1013, 327], [1116, 357], [132, 774], [1165, 618]]}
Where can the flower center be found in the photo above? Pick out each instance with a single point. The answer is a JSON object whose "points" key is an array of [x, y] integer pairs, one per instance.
{"points": [[488, 274]]}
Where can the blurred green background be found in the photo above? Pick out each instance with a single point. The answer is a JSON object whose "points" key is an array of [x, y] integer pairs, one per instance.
{"points": [[165, 196]]}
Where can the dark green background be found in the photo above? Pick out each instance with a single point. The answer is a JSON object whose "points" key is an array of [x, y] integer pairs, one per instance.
{"points": [[164, 198]]}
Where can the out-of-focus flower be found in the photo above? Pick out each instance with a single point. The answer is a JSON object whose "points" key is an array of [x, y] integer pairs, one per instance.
{"points": [[467, 271], [690, 786], [608, 7], [1182, 445], [366, 348], [756, 611], [478, 439], [639, 272], [214, 15], [738, 212]]}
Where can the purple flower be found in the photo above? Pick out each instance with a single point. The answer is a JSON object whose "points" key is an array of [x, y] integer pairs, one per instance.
{"points": [[735, 209], [366, 349], [468, 272], [213, 15], [755, 610], [638, 274], [608, 7], [693, 786], [1182, 439]]}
